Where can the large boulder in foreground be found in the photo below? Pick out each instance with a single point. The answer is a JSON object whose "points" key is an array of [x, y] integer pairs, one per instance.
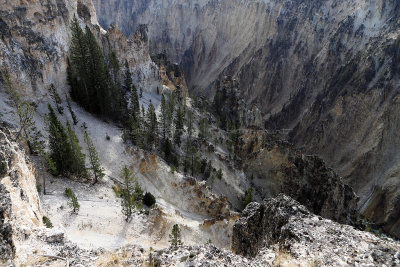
{"points": [[286, 226]]}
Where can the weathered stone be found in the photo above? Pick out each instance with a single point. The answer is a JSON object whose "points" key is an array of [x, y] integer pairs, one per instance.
{"points": [[55, 235], [283, 223]]}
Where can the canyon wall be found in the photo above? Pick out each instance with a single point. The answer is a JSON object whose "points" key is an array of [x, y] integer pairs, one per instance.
{"points": [[326, 71]]}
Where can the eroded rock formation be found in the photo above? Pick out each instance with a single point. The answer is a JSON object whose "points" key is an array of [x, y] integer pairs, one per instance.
{"points": [[325, 71], [276, 167], [20, 209], [282, 223]]}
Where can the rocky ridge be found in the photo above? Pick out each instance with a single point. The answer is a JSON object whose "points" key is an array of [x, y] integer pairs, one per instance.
{"points": [[306, 239], [20, 209], [274, 167]]}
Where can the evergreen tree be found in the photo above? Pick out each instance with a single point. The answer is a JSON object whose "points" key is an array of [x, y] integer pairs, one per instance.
{"points": [[141, 92], [163, 119], [78, 68], [128, 201], [179, 122], [78, 158], [115, 67], [170, 111], [57, 99], [72, 200], [189, 123], [203, 128], [99, 77], [128, 77], [25, 113], [95, 165], [248, 197], [74, 118], [175, 237], [135, 106], [60, 148], [152, 125]]}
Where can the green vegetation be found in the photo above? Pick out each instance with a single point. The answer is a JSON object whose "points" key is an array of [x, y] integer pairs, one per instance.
{"points": [[179, 129], [148, 199], [248, 197], [175, 237], [151, 126], [93, 85], [131, 193], [47, 222], [65, 152], [57, 99], [73, 116], [25, 113], [72, 200], [94, 161]]}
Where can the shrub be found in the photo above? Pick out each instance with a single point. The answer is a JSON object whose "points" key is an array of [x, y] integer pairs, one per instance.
{"points": [[148, 199], [175, 237], [248, 197], [72, 200], [47, 222]]}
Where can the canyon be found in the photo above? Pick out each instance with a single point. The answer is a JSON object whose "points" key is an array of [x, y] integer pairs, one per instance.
{"points": [[316, 88], [324, 73]]}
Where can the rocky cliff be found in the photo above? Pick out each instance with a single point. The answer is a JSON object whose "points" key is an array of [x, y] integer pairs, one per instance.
{"points": [[325, 71], [276, 167], [301, 238], [35, 38], [20, 208]]}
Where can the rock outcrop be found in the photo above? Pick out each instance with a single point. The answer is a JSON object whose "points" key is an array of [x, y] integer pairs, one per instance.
{"points": [[276, 167], [286, 226], [19, 201]]}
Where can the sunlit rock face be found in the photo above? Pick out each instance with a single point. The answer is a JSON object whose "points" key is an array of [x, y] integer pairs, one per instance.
{"points": [[35, 38], [324, 71]]}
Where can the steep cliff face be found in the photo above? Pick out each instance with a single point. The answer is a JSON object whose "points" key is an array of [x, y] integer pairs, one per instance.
{"points": [[20, 208], [326, 71], [304, 239], [35, 38], [276, 167]]}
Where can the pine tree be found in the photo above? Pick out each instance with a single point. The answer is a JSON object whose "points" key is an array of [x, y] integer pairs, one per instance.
{"points": [[72, 200], [179, 122], [60, 148], [128, 78], [57, 99], [94, 161], [203, 128], [128, 187], [175, 237], [99, 78], [152, 125], [78, 66], [135, 106], [170, 112], [189, 123], [25, 113], [163, 119], [74, 118], [115, 67], [78, 165], [248, 197]]}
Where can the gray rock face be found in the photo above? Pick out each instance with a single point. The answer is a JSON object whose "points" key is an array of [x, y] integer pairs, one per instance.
{"points": [[276, 167], [285, 225], [55, 235], [7, 249]]}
